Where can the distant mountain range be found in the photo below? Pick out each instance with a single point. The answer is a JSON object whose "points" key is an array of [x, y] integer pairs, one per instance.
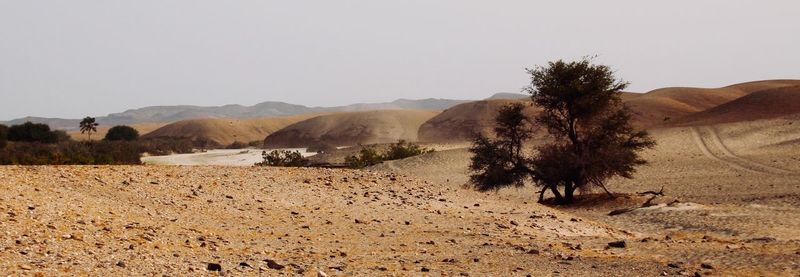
{"points": [[168, 114]]}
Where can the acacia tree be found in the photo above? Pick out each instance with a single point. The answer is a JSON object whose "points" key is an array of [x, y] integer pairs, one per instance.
{"points": [[88, 126], [591, 137]]}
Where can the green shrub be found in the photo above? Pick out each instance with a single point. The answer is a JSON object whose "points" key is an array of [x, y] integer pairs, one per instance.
{"points": [[3, 135], [368, 156], [282, 158], [70, 153], [403, 149], [32, 132], [122, 132], [165, 146]]}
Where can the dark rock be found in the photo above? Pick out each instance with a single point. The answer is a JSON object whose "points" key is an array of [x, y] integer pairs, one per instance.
{"points": [[617, 244], [214, 267], [121, 264], [274, 265], [425, 269], [706, 266], [243, 264]]}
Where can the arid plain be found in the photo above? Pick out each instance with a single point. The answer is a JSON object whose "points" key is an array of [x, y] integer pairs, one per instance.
{"points": [[731, 199]]}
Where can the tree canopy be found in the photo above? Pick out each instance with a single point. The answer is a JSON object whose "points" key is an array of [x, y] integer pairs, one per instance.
{"points": [[122, 132], [88, 126], [32, 132], [591, 138]]}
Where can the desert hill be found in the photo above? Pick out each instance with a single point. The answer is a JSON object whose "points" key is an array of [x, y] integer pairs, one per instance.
{"points": [[351, 128], [224, 131], [765, 104], [657, 108], [169, 114], [461, 122], [508, 96]]}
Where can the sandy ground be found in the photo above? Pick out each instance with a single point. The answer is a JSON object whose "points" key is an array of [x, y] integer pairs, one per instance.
{"points": [[731, 206], [223, 157], [737, 185]]}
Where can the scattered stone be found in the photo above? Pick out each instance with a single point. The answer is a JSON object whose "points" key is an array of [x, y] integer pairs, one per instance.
{"points": [[214, 267], [425, 269], [121, 264], [706, 266], [244, 264], [617, 244], [321, 274], [762, 239], [274, 265]]}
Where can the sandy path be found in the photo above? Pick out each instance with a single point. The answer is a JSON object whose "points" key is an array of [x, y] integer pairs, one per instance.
{"points": [[705, 136]]}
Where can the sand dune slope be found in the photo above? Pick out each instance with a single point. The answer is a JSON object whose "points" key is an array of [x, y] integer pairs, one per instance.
{"points": [[662, 106], [351, 128], [770, 103], [461, 122], [225, 131]]}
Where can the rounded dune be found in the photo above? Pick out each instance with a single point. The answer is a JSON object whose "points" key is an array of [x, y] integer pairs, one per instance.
{"points": [[660, 107], [351, 128], [224, 131], [462, 122], [766, 104]]}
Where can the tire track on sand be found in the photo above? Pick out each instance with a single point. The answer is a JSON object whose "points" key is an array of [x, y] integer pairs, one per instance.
{"points": [[729, 157]]}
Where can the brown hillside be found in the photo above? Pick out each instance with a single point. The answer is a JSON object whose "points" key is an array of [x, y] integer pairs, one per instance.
{"points": [[225, 131], [351, 128], [461, 122], [658, 107], [764, 104]]}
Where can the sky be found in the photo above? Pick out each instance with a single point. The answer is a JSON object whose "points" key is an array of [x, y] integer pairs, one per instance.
{"points": [[75, 58]]}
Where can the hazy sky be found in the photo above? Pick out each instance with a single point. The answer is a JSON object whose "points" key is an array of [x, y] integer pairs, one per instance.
{"points": [[78, 57]]}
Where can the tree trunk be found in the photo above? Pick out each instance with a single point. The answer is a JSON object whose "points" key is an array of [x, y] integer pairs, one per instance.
{"points": [[541, 194], [569, 192], [556, 193]]}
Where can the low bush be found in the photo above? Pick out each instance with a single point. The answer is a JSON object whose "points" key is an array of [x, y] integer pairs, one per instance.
{"points": [[403, 149], [166, 146], [282, 158], [122, 132], [34, 132], [70, 153], [3, 135], [368, 156]]}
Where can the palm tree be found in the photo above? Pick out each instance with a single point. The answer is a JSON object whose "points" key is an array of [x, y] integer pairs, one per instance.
{"points": [[88, 125]]}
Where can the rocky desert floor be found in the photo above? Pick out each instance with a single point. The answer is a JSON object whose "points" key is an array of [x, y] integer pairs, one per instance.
{"points": [[731, 209]]}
